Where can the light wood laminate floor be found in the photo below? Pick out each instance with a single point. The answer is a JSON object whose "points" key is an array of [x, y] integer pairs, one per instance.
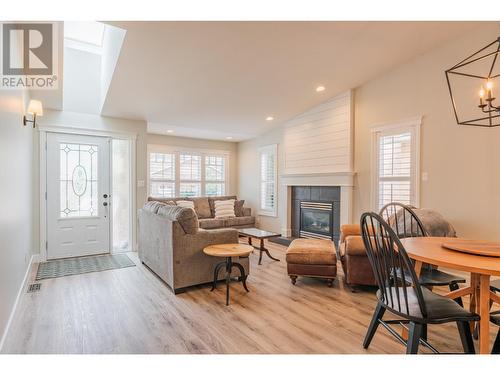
{"points": [[130, 310]]}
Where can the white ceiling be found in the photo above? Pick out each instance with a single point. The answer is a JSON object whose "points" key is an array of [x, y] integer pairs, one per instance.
{"points": [[220, 79]]}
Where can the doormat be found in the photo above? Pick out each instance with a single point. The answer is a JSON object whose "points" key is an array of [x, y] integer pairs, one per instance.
{"points": [[76, 266]]}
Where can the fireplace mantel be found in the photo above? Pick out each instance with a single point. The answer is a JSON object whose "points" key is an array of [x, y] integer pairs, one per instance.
{"points": [[319, 179], [343, 179]]}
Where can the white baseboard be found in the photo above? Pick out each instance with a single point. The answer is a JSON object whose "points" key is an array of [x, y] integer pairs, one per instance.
{"points": [[16, 302]]}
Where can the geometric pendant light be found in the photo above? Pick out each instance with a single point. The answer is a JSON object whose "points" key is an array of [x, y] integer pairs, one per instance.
{"points": [[472, 83]]}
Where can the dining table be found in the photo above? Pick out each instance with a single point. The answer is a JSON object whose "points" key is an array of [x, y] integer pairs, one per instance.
{"points": [[441, 252]]}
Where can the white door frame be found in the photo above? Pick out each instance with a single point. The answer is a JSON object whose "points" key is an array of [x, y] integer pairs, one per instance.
{"points": [[130, 136]]}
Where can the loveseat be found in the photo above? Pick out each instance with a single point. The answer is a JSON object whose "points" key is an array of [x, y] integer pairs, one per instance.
{"points": [[171, 244], [205, 210]]}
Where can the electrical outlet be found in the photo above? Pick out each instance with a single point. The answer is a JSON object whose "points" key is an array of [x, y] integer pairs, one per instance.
{"points": [[425, 176], [141, 183]]}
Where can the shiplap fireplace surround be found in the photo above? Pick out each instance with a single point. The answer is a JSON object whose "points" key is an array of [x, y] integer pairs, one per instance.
{"points": [[318, 151]]}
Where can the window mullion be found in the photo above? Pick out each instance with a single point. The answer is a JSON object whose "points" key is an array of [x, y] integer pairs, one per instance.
{"points": [[177, 174], [202, 182]]}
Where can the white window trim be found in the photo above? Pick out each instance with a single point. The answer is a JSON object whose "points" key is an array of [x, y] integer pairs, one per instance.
{"points": [[411, 125], [165, 149], [266, 150]]}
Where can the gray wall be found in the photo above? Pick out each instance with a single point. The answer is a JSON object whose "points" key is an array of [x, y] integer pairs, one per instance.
{"points": [[16, 200], [461, 161]]}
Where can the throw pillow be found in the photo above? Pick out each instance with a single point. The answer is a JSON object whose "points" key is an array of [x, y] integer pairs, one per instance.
{"points": [[153, 206], [212, 200], [238, 208], [224, 209], [186, 204], [202, 208]]}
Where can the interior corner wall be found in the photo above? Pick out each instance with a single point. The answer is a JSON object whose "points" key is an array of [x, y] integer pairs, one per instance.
{"points": [[461, 161], [16, 200], [205, 144], [249, 179]]}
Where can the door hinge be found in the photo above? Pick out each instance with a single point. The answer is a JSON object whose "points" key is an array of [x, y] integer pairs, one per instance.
{"points": [[45, 195], [45, 145], [46, 245]]}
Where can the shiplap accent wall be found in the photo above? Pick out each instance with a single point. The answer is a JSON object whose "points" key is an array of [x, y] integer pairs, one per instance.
{"points": [[320, 140]]}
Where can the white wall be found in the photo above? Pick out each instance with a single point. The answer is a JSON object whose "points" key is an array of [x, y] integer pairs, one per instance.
{"points": [[82, 81], [319, 140], [232, 147], [16, 200], [462, 162], [111, 47]]}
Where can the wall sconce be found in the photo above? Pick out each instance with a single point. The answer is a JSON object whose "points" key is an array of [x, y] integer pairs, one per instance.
{"points": [[35, 108]]}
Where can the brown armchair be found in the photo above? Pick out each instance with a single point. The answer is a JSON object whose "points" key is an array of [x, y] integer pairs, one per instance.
{"points": [[355, 263]]}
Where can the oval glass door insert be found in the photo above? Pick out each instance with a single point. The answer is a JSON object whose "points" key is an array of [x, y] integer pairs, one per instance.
{"points": [[79, 180]]}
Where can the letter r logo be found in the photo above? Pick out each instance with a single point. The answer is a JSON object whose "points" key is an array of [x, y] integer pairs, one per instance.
{"points": [[27, 49]]}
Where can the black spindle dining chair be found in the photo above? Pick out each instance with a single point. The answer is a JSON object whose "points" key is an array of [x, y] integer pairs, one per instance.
{"points": [[405, 223], [495, 317], [400, 291]]}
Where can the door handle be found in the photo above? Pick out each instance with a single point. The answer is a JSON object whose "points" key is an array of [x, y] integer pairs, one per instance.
{"points": [[105, 204], [105, 196]]}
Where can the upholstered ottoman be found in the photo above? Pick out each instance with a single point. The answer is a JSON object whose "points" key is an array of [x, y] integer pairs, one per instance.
{"points": [[312, 258]]}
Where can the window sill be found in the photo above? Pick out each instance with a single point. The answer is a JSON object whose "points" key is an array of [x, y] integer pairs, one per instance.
{"points": [[267, 213]]}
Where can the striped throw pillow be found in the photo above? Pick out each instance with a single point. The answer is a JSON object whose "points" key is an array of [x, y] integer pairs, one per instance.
{"points": [[224, 209]]}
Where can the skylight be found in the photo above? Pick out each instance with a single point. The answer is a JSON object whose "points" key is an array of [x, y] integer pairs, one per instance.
{"points": [[90, 33]]}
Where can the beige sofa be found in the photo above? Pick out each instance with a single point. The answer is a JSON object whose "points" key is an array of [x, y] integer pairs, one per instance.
{"points": [[204, 207], [171, 245]]}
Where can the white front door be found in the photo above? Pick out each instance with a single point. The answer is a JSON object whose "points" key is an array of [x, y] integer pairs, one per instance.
{"points": [[78, 195]]}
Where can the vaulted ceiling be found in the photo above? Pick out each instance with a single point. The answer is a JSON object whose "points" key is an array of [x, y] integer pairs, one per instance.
{"points": [[222, 79]]}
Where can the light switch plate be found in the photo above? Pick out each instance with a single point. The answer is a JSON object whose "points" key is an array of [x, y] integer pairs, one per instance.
{"points": [[425, 176]]}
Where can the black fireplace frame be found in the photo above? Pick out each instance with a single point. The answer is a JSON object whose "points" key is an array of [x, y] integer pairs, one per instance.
{"points": [[311, 208], [325, 194]]}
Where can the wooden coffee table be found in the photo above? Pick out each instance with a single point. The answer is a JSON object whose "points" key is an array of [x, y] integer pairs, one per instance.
{"points": [[260, 235], [229, 251]]}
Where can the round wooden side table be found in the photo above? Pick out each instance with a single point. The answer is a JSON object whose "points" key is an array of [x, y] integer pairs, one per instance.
{"points": [[229, 251]]}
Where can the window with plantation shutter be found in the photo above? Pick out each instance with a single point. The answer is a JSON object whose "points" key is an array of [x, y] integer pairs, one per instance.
{"points": [[162, 175], [176, 172], [215, 175], [190, 175], [268, 180], [396, 162]]}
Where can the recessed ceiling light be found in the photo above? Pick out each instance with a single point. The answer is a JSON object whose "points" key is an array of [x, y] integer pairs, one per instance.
{"points": [[170, 131], [229, 137], [320, 88], [269, 118]]}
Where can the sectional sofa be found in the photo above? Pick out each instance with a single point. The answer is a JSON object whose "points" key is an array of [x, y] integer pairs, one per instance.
{"points": [[205, 210]]}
